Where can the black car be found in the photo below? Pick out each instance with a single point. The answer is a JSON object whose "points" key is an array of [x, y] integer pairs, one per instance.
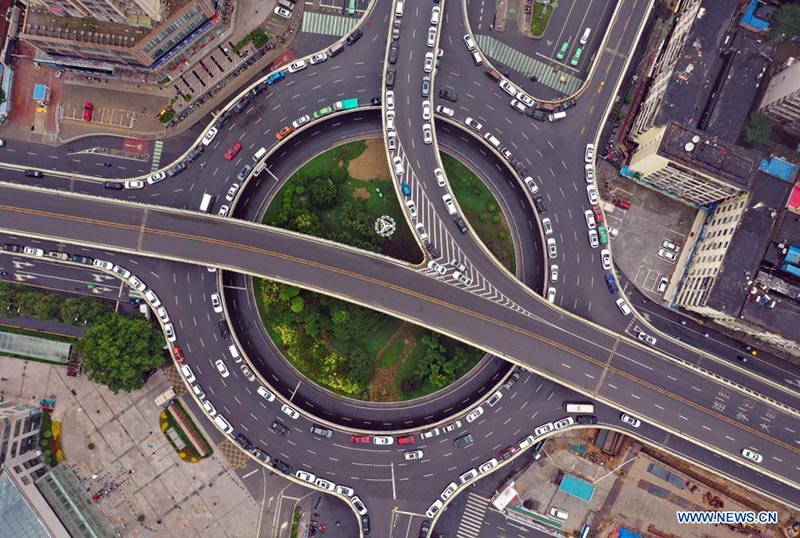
{"points": [[464, 441], [425, 529], [283, 467], [33, 173], [114, 186], [537, 448], [566, 105], [77, 258], [432, 250], [224, 331], [243, 441], [390, 74], [355, 36], [195, 153], [426, 86], [394, 52], [11, 247], [520, 167], [177, 169], [537, 114], [448, 95], [586, 419], [241, 105], [462, 226], [260, 454], [280, 428], [225, 118], [365, 524], [539, 201]]}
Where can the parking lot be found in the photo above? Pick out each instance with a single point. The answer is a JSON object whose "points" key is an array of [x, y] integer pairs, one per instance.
{"points": [[549, 66]]}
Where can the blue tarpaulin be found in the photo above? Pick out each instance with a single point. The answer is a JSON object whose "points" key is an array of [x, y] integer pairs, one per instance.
{"points": [[777, 167], [577, 487], [793, 256], [751, 19]]}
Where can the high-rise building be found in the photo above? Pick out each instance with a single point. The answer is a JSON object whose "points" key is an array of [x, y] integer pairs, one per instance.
{"points": [[781, 101], [19, 429]]}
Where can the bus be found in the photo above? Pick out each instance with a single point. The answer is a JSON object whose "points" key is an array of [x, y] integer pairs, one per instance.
{"points": [[578, 407], [346, 104]]}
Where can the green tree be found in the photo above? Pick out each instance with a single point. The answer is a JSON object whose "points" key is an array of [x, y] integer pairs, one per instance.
{"points": [[80, 310], [297, 305], [359, 367], [757, 130], [118, 350], [786, 23], [323, 194], [338, 175]]}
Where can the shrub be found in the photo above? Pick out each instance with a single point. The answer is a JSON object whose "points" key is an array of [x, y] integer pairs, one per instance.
{"points": [[503, 234], [491, 207], [496, 218], [483, 216], [90, 446], [140, 518]]}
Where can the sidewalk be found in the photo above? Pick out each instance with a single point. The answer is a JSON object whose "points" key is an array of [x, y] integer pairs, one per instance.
{"points": [[52, 327]]}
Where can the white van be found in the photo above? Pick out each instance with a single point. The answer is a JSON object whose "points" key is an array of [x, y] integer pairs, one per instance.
{"points": [[223, 424], [559, 513], [398, 10], [259, 154], [578, 407], [585, 36], [235, 353], [476, 58], [556, 116], [205, 203]]}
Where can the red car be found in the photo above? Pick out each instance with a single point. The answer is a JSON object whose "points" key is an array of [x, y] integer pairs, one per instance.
{"points": [[233, 150], [88, 110], [598, 213], [406, 440], [624, 204], [507, 453], [178, 353], [360, 439]]}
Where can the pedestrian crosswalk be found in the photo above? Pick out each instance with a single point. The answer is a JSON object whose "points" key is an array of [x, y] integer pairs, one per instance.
{"points": [[322, 23], [158, 147], [545, 73], [472, 518]]}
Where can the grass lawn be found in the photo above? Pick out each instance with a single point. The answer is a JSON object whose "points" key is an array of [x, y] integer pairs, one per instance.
{"points": [[391, 355], [409, 366], [476, 200], [540, 18]]}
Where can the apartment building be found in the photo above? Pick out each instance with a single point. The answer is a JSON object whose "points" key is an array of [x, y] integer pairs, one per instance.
{"points": [[781, 101], [132, 12]]}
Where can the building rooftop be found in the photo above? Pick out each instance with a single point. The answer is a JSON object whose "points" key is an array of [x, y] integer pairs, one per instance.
{"points": [[82, 30], [19, 519], [692, 80], [749, 247], [719, 159]]}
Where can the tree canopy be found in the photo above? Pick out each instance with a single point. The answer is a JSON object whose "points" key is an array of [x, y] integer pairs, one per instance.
{"points": [[118, 350], [786, 23], [757, 130]]}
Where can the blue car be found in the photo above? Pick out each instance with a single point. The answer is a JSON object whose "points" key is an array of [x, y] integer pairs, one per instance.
{"points": [[612, 285], [405, 188], [275, 77]]}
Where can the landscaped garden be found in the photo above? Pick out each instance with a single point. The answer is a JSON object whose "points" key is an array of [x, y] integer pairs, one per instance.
{"points": [[540, 17], [351, 350]]}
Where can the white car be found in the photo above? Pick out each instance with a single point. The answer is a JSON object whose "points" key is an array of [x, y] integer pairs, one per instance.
{"points": [[221, 368], [428, 434], [646, 338], [223, 210], [552, 252], [412, 208], [383, 440], [432, 36], [155, 178], [187, 373], [223, 424], [461, 277], [282, 12], [327, 485], [525, 442], [666, 254], [435, 12], [412, 455], [439, 175], [470, 43], [554, 273], [551, 295], [108, 266], [588, 155], [344, 490], [563, 423], [670, 246], [163, 315], [449, 204], [591, 194], [121, 271], [134, 185], [448, 491], [531, 184], [136, 284], [170, 332], [216, 304], [590, 223], [302, 120], [299, 65], [428, 67], [397, 163], [266, 394], [474, 414], [390, 120], [494, 398], [305, 476], [589, 173], [426, 108], [210, 409], [390, 100], [290, 411], [358, 505], [548, 226], [543, 429], [631, 421], [468, 476], [473, 124], [318, 58], [525, 98], [427, 133], [594, 242], [518, 105], [488, 465], [434, 508], [209, 136], [231, 194], [152, 298], [438, 267], [605, 258], [752, 455], [509, 88], [662, 285], [444, 111], [423, 235]]}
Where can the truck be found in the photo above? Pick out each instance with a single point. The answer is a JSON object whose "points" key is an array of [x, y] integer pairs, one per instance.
{"points": [[205, 204], [346, 104]]}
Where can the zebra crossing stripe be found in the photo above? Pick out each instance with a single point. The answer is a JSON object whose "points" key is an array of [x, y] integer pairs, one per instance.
{"points": [[158, 147], [517, 61], [323, 23], [472, 518]]}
